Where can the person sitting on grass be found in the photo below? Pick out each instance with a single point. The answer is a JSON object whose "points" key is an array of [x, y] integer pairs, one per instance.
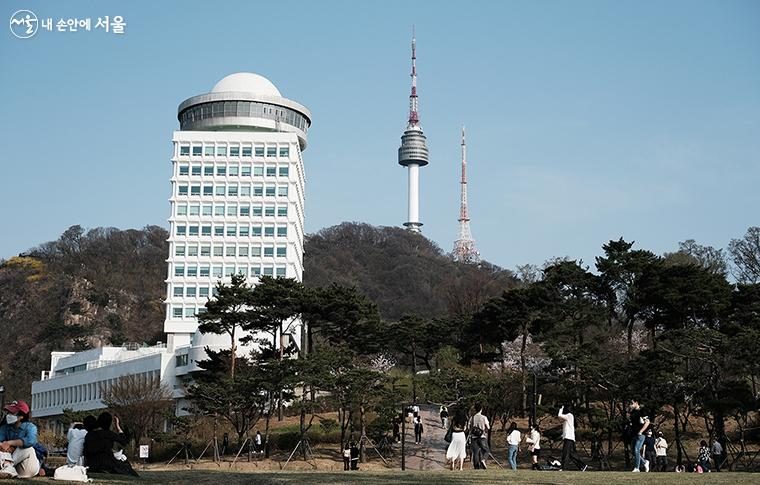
{"points": [[17, 439], [98, 447], [76, 434]]}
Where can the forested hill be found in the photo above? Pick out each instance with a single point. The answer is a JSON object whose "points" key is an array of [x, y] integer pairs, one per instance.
{"points": [[105, 287]]}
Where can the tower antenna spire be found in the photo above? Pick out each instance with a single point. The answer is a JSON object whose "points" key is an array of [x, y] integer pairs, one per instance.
{"points": [[414, 116], [464, 247]]}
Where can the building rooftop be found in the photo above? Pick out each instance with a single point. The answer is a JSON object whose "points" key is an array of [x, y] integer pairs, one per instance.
{"points": [[246, 82]]}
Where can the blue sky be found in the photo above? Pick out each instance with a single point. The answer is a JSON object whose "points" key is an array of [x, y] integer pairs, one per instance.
{"points": [[586, 120]]}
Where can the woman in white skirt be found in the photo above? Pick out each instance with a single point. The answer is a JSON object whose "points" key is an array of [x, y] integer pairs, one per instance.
{"points": [[457, 449]]}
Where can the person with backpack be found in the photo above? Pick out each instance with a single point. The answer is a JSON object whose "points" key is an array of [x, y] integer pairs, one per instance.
{"points": [[479, 427], [568, 438]]}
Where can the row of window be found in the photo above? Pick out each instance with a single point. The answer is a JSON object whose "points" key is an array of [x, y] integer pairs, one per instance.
{"points": [[244, 109], [223, 150], [243, 230], [219, 271], [81, 393], [231, 250], [194, 291], [244, 210], [223, 170], [233, 190]]}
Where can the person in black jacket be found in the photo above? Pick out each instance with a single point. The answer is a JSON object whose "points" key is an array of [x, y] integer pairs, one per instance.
{"points": [[98, 448]]}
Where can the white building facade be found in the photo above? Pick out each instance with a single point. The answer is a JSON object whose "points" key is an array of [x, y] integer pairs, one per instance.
{"points": [[237, 207]]}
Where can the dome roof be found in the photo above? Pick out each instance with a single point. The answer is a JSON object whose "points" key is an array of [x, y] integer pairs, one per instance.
{"points": [[246, 82]]}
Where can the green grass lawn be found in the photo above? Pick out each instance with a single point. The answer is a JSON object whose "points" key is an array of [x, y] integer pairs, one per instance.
{"points": [[198, 477]]}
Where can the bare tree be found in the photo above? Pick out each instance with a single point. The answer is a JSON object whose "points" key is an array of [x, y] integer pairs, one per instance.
{"points": [[140, 402], [745, 254]]}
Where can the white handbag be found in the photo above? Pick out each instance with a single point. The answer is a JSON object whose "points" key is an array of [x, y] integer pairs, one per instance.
{"points": [[71, 473]]}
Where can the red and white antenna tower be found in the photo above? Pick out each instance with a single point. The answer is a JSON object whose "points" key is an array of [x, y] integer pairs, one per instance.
{"points": [[464, 247]]}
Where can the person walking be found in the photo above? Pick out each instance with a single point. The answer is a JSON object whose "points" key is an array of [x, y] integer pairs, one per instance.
{"points": [[513, 440], [457, 449], [704, 456], [568, 438], [639, 423], [418, 429], [717, 454], [479, 427], [661, 451], [444, 416], [534, 440], [649, 452]]}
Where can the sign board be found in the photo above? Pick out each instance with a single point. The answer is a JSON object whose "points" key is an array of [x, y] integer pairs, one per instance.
{"points": [[144, 451]]}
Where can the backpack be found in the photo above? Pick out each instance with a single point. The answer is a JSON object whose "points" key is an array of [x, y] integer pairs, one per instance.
{"points": [[476, 432]]}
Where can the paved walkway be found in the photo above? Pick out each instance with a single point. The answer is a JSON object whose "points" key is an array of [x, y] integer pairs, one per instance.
{"points": [[431, 453]]}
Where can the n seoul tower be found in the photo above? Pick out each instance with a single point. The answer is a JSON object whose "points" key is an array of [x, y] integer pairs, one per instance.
{"points": [[413, 152]]}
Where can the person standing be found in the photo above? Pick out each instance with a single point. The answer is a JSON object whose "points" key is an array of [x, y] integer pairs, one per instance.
{"points": [[568, 438], [704, 456], [17, 439], [397, 430], [444, 416], [534, 440], [479, 427], [418, 429], [639, 424], [661, 451], [513, 440], [457, 449], [649, 452], [347, 458], [717, 454], [354, 456], [257, 442]]}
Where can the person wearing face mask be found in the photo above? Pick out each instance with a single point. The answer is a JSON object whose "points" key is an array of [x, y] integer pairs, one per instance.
{"points": [[17, 439]]}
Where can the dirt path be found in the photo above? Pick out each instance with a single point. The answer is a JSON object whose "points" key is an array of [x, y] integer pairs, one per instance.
{"points": [[431, 453]]}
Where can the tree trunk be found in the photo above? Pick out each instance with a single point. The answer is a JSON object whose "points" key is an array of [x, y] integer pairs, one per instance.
{"points": [[677, 429], [414, 372], [233, 353], [362, 456], [522, 372], [629, 337]]}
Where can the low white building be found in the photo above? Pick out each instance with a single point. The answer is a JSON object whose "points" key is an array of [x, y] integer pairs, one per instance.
{"points": [[237, 207]]}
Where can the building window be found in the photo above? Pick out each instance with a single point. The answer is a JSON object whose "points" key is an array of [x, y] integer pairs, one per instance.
{"points": [[229, 270], [205, 231], [184, 169], [208, 170], [245, 190], [282, 251], [181, 230], [208, 190], [283, 171], [231, 209], [216, 272], [255, 251], [282, 210], [179, 290], [257, 210], [269, 231], [258, 190], [258, 171], [209, 151], [259, 151], [181, 209], [234, 150], [281, 271], [269, 211], [218, 230], [219, 210], [181, 360], [271, 151], [193, 231], [270, 190], [218, 250], [203, 292], [182, 190], [245, 171], [282, 231], [245, 210], [177, 312], [271, 170], [195, 190], [246, 151], [243, 231], [255, 231], [192, 270], [205, 271], [221, 150], [268, 271], [190, 292], [268, 251], [232, 230], [255, 271], [220, 189], [197, 149], [196, 170], [179, 250], [221, 170], [206, 250], [284, 151], [230, 250], [179, 270], [189, 312], [282, 191], [243, 250], [234, 169], [232, 190], [192, 250], [207, 209], [184, 150], [195, 210]]}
